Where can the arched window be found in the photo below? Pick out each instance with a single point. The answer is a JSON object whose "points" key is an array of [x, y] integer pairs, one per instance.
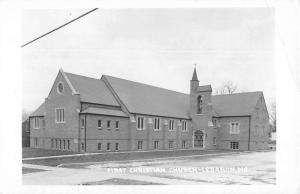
{"points": [[199, 105]]}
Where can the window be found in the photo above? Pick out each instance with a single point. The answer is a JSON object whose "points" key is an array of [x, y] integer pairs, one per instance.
{"points": [[60, 87], [82, 146], [36, 123], [156, 124], [183, 144], [117, 146], [43, 123], [99, 124], [64, 143], [117, 124], [171, 144], [156, 145], [140, 123], [68, 143], [56, 144], [199, 105], [234, 128], [234, 145], [140, 145], [108, 124], [82, 123], [60, 144], [184, 126], [52, 143], [215, 122], [171, 125], [36, 142], [60, 115], [214, 141], [99, 146], [108, 146]]}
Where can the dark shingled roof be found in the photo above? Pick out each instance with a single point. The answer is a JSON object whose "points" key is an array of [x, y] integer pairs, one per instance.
{"points": [[40, 111], [238, 104], [204, 88], [150, 100], [92, 90], [146, 99]]}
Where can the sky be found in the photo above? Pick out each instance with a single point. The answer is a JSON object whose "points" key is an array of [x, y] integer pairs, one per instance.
{"points": [[153, 46]]}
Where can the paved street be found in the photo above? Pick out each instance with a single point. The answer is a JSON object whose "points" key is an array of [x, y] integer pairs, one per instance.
{"points": [[241, 169]]}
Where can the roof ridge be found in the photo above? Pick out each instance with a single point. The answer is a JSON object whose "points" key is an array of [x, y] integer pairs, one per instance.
{"points": [[238, 93], [82, 76], [145, 84]]}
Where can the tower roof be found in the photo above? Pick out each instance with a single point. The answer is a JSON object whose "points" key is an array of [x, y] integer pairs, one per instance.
{"points": [[195, 77]]}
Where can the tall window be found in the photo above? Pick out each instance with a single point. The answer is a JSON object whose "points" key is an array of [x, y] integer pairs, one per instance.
{"points": [[108, 146], [99, 146], [140, 145], [82, 123], [99, 124], [140, 123], [214, 141], [108, 124], [82, 146], [234, 145], [43, 123], [184, 126], [156, 144], [117, 146], [52, 143], [60, 115], [156, 124], [199, 105], [64, 142], [36, 142], [117, 124], [36, 123], [234, 128], [56, 144], [183, 144], [171, 125], [171, 144], [60, 144], [68, 142]]}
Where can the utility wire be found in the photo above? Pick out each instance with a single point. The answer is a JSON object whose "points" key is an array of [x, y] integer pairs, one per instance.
{"points": [[59, 27]]}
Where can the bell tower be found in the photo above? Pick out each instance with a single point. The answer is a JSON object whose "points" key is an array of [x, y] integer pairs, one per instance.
{"points": [[201, 114]]}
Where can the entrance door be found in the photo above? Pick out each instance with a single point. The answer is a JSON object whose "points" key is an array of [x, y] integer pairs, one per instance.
{"points": [[198, 139]]}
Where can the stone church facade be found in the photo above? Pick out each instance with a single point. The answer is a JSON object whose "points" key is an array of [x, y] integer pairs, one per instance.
{"points": [[84, 114]]}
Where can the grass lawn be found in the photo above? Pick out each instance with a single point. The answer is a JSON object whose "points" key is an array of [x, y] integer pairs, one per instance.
{"points": [[119, 157], [36, 152], [118, 181], [26, 170]]}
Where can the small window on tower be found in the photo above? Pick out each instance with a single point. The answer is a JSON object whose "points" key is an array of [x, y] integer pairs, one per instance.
{"points": [[199, 105]]}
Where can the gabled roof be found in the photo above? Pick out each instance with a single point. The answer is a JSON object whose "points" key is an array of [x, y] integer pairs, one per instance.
{"points": [[92, 90], [239, 104], [204, 88], [40, 111], [146, 99]]}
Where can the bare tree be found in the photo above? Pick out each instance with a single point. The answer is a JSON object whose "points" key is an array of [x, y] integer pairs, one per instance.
{"points": [[272, 115], [228, 87]]}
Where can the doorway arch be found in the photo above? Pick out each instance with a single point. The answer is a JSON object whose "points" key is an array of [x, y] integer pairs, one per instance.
{"points": [[199, 139]]}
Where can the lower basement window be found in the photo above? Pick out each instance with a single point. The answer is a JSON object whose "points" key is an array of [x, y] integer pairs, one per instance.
{"points": [[234, 145]]}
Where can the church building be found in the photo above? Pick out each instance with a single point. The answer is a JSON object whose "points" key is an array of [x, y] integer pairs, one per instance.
{"points": [[84, 114]]}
